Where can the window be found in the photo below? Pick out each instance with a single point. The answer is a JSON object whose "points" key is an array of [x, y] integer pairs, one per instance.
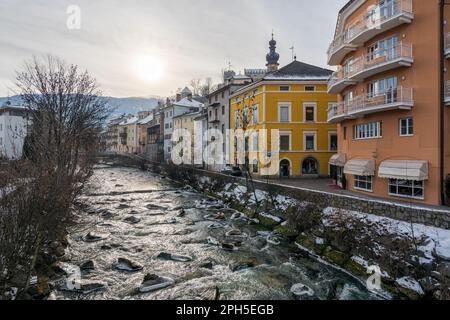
{"points": [[284, 113], [384, 87], [255, 142], [367, 131], [363, 183], [310, 88], [406, 127], [216, 114], [223, 94], [333, 142], [383, 48], [216, 97], [310, 141], [255, 114], [223, 110], [285, 88], [310, 166], [223, 129], [285, 142], [255, 166], [236, 119], [167, 126], [345, 133], [310, 113], [406, 189]]}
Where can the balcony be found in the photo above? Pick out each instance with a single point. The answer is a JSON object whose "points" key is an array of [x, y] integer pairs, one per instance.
{"points": [[447, 93], [400, 98], [378, 19], [447, 46], [371, 64], [339, 81], [383, 60]]}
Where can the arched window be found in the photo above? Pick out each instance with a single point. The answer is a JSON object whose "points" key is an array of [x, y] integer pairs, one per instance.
{"points": [[285, 168], [310, 165]]}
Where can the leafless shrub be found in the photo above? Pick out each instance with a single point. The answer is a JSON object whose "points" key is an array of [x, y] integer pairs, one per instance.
{"points": [[67, 116], [303, 218]]}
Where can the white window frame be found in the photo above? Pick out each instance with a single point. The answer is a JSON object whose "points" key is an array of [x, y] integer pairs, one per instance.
{"points": [[309, 105], [366, 131], [255, 120], [412, 189], [408, 134], [332, 133], [358, 179], [289, 134], [310, 133], [255, 142], [283, 105]]}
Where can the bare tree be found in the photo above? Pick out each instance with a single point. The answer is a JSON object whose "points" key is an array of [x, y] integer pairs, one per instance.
{"points": [[67, 114]]}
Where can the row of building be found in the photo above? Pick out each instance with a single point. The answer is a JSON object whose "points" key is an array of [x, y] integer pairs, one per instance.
{"points": [[378, 125]]}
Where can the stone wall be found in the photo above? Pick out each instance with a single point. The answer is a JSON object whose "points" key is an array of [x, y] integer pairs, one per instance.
{"points": [[409, 213], [414, 213]]}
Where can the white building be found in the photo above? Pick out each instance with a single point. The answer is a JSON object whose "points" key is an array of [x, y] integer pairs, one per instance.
{"points": [[13, 130], [185, 103]]}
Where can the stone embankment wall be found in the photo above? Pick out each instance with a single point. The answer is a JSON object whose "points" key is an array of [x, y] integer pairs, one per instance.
{"points": [[409, 213]]}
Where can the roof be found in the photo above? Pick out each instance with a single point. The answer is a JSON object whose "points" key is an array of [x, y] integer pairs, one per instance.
{"points": [[186, 90], [191, 113], [7, 107], [294, 71], [346, 5], [147, 119], [297, 70], [129, 121], [185, 102]]}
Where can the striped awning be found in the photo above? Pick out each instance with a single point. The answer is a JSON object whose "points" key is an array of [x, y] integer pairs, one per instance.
{"points": [[338, 160], [404, 170], [360, 167]]}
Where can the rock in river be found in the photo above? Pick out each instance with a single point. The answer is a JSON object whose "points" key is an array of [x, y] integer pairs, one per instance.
{"points": [[154, 282], [174, 257], [302, 291], [132, 220], [87, 266], [124, 264], [94, 237]]}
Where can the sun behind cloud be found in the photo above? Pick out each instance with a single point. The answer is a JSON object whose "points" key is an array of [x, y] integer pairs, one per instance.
{"points": [[149, 68]]}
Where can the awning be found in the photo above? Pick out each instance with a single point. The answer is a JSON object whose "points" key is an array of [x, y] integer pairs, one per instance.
{"points": [[338, 160], [360, 167], [404, 170]]}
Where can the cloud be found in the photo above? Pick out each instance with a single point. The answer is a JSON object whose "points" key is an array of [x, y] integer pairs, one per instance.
{"points": [[194, 38]]}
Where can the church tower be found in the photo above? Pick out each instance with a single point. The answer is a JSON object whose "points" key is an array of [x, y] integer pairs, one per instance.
{"points": [[272, 57]]}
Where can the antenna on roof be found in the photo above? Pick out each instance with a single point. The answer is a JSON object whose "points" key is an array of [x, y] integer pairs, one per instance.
{"points": [[293, 55]]}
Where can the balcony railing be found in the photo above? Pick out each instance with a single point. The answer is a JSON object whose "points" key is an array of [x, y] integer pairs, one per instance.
{"points": [[400, 98], [378, 19], [368, 65], [447, 93], [447, 46]]}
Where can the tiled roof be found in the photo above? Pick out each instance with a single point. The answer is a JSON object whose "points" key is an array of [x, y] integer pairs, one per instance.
{"points": [[297, 70]]}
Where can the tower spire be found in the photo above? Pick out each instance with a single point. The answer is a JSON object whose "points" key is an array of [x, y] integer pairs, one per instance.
{"points": [[272, 57]]}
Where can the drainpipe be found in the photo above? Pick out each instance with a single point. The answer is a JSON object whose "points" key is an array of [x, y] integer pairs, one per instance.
{"points": [[442, 97]]}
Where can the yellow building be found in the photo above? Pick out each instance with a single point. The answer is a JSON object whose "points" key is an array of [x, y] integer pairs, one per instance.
{"points": [[295, 101], [186, 121]]}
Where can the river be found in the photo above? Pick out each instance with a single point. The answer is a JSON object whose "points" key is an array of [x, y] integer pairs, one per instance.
{"points": [[169, 219]]}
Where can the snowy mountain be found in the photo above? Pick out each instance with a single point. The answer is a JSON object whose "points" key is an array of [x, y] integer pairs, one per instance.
{"points": [[119, 106]]}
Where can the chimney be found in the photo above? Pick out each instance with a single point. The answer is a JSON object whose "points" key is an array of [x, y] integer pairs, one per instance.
{"points": [[178, 98], [189, 97]]}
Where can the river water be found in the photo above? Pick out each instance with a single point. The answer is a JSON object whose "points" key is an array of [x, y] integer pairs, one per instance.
{"points": [[257, 269]]}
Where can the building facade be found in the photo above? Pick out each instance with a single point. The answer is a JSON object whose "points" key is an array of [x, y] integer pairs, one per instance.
{"points": [[391, 115], [14, 121], [218, 110], [293, 100], [184, 103]]}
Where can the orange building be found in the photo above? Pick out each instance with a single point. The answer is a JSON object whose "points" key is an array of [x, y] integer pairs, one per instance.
{"points": [[393, 122]]}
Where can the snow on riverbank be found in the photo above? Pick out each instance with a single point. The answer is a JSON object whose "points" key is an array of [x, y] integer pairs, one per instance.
{"points": [[439, 239]]}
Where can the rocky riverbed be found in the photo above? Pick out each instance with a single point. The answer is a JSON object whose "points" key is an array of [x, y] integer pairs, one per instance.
{"points": [[142, 237]]}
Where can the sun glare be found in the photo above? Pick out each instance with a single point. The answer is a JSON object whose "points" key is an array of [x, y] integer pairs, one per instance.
{"points": [[149, 68]]}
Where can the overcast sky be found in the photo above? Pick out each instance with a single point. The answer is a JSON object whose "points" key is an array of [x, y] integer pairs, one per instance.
{"points": [[154, 47]]}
